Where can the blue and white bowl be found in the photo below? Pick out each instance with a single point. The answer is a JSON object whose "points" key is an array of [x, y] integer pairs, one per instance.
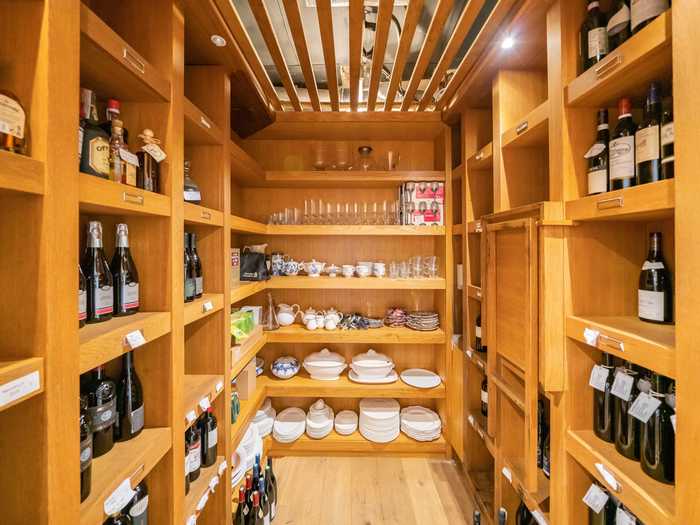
{"points": [[285, 367]]}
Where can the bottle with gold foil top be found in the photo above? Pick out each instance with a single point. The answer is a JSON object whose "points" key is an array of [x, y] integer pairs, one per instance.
{"points": [[150, 156], [117, 165], [13, 121], [94, 156]]}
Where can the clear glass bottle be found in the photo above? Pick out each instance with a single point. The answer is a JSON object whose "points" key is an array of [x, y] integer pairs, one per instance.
{"points": [[150, 155], [192, 193], [365, 162], [117, 165]]}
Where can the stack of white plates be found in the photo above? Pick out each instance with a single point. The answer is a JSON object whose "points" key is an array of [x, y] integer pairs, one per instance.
{"points": [[379, 419], [420, 423], [251, 444], [345, 422], [319, 420], [265, 418], [372, 367], [289, 425]]}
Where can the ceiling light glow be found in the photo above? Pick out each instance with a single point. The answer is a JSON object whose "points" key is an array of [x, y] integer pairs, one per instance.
{"points": [[508, 42], [218, 40]]}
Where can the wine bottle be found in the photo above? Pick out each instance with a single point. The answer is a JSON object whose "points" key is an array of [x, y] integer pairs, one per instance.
{"points": [[119, 519], [249, 493], [607, 515], [195, 443], [82, 298], [476, 520], [655, 294], [137, 508], [643, 12], [667, 139], [85, 451], [258, 517], [113, 112], [485, 397], [189, 272], [208, 431], [198, 278], [619, 29], [129, 402], [264, 502], [271, 488], [241, 517], [101, 394], [149, 156], [187, 466], [594, 36], [124, 275], [627, 426], [523, 516], [192, 193], [502, 516], [546, 457], [478, 346], [100, 295], [13, 121], [597, 157], [622, 166], [541, 430], [94, 157], [604, 404], [647, 139], [658, 439]]}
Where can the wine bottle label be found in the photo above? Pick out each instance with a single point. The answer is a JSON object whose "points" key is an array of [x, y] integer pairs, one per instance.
{"points": [[104, 300], [643, 10], [130, 176], [649, 265], [189, 288], [192, 196], [98, 155], [597, 42], [667, 134], [597, 181], [155, 151], [595, 150], [102, 416], [213, 437], [12, 117], [85, 453], [195, 456], [139, 512], [266, 520], [622, 158], [619, 20], [651, 305], [198, 285], [130, 295], [136, 420], [82, 304], [477, 331], [273, 510], [484, 397], [647, 144], [81, 135]]}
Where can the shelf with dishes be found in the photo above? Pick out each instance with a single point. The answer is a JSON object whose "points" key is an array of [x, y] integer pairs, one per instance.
{"points": [[242, 225], [323, 282], [350, 178], [21, 173], [383, 335]]}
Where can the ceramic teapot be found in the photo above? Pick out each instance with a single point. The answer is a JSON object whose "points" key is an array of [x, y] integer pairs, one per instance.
{"points": [[333, 315], [308, 315], [290, 267], [313, 268], [287, 314]]}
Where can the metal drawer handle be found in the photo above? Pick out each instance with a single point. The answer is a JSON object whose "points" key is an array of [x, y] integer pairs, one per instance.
{"points": [[611, 341], [522, 128], [132, 198], [608, 204], [134, 61], [607, 67], [204, 122], [206, 215]]}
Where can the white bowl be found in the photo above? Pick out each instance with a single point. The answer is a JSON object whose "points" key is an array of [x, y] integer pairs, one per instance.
{"points": [[372, 364], [324, 373], [372, 371]]}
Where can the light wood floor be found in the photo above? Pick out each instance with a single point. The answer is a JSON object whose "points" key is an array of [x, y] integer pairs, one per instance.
{"points": [[370, 491]]}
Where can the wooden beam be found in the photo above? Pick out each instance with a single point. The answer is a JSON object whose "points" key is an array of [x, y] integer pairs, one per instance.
{"points": [[262, 17], [381, 35], [442, 11], [291, 9], [229, 14], [357, 23], [409, 28], [464, 24], [325, 24]]}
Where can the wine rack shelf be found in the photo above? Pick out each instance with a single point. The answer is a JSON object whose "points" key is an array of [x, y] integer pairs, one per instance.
{"points": [[19, 380], [243, 290], [480, 485], [20, 173], [200, 130], [531, 131], [201, 489], [247, 350], [477, 358], [355, 230], [474, 292], [385, 335], [478, 422], [651, 501], [516, 393], [532, 500], [103, 196], [350, 179], [241, 225], [482, 160], [353, 283], [131, 460], [195, 214], [206, 305], [200, 391]]}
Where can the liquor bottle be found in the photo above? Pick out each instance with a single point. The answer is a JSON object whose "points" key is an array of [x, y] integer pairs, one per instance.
{"points": [[114, 113], [94, 157], [667, 139], [150, 156], [264, 502], [189, 272], [137, 508], [476, 520], [658, 443], [643, 12], [101, 394], [82, 298], [192, 193], [117, 165], [208, 431], [100, 295], [13, 122], [627, 426], [502, 516], [271, 489], [604, 404], [119, 519], [129, 402], [478, 346], [195, 443], [242, 510], [196, 261], [647, 139], [187, 466], [258, 516], [124, 275], [622, 167], [607, 515], [541, 431], [85, 451], [485, 397], [594, 36], [655, 294], [598, 157], [619, 29], [546, 457]]}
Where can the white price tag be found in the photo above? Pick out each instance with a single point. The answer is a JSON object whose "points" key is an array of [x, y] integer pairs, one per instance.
{"points": [[539, 517], [219, 386], [213, 482], [204, 122], [135, 339], [481, 364], [506, 474], [673, 422], [119, 498], [599, 376], [129, 157], [202, 501], [190, 417], [20, 387], [644, 407], [192, 520], [470, 418], [643, 385], [155, 151], [608, 477], [207, 306], [622, 386], [222, 467], [204, 403], [595, 498], [622, 517], [591, 336], [470, 354]]}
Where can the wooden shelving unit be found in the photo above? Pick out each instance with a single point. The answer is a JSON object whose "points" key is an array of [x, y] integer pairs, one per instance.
{"points": [[208, 304], [19, 380], [21, 174], [350, 179], [109, 198], [530, 131], [384, 335], [353, 283], [200, 130], [197, 388], [242, 354], [195, 214]]}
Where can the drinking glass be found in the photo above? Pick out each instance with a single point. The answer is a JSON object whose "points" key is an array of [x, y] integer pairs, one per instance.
{"points": [[338, 219], [393, 270], [404, 270], [416, 266], [430, 266]]}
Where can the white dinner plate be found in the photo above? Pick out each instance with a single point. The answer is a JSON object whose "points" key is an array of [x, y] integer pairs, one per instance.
{"points": [[420, 378], [391, 378]]}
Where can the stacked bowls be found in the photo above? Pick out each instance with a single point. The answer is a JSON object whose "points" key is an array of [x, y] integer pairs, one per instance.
{"points": [[265, 418], [420, 423], [319, 420], [325, 365], [345, 422], [379, 419], [289, 425]]}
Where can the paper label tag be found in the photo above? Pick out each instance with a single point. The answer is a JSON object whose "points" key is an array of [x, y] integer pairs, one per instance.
{"points": [[470, 354], [129, 157], [608, 477], [135, 339], [623, 518], [622, 386], [204, 122], [213, 482], [190, 417], [599, 377], [202, 501], [470, 418], [155, 151], [204, 403], [539, 517], [207, 306], [591, 336], [673, 422], [481, 364], [119, 498], [506, 474], [222, 467], [595, 150], [644, 407], [480, 432], [595, 498], [219, 386], [20, 387]]}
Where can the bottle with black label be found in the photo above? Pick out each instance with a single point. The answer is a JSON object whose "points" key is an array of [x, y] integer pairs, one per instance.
{"points": [[189, 272], [485, 397], [85, 451], [94, 156], [124, 275], [658, 443], [655, 296], [101, 394], [209, 433], [627, 426], [137, 508], [129, 402], [643, 12], [597, 157], [622, 166], [619, 28], [667, 139], [604, 404], [196, 261], [82, 298], [647, 139], [594, 36], [194, 441], [100, 294], [478, 345]]}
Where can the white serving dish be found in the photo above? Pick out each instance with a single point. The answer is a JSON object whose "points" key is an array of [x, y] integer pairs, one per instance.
{"points": [[420, 378], [372, 363], [376, 380], [346, 422], [324, 365]]}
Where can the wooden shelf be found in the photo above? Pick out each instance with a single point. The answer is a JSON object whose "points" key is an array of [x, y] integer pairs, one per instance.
{"points": [[354, 229], [200, 487], [245, 170], [458, 229], [353, 283], [245, 289], [355, 445], [299, 334], [102, 342], [200, 130], [531, 131], [206, 305], [301, 385], [515, 393], [248, 409], [626, 71], [242, 354], [106, 197], [482, 160], [21, 173], [478, 423], [474, 292], [195, 388], [532, 499], [350, 179], [478, 358], [458, 172], [20, 379], [481, 486], [647, 344], [650, 500], [195, 214], [652, 201], [241, 225], [113, 68], [132, 459], [475, 226]]}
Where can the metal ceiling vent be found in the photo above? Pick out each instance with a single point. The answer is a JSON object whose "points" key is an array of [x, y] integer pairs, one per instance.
{"points": [[346, 3]]}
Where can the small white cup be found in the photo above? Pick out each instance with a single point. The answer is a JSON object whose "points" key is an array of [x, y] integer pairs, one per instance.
{"points": [[362, 271], [379, 269]]}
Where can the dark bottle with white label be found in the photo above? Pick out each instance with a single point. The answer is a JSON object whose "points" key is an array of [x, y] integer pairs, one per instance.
{"points": [[607, 515], [82, 298], [129, 424], [189, 272], [485, 397], [502, 516], [658, 438], [647, 139], [627, 426], [655, 296], [94, 155], [604, 404], [118, 518], [546, 457], [124, 275], [196, 261], [209, 432], [476, 519], [137, 508], [187, 466], [479, 346], [667, 140], [101, 394], [85, 451], [192, 193], [597, 157], [643, 12], [619, 28], [622, 166], [100, 294], [194, 440], [594, 36]]}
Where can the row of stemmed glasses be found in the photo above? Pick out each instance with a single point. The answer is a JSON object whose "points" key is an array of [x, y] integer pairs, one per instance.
{"points": [[317, 211]]}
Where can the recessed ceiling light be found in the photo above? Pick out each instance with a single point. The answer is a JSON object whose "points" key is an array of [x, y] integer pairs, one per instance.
{"points": [[508, 42], [218, 40]]}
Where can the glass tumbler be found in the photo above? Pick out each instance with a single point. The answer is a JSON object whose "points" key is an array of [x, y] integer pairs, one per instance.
{"points": [[430, 266], [393, 270]]}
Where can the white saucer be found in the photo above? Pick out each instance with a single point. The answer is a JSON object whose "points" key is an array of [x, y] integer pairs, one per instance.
{"points": [[391, 378], [420, 378]]}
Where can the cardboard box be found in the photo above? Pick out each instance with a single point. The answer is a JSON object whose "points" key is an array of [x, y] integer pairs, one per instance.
{"points": [[245, 381]]}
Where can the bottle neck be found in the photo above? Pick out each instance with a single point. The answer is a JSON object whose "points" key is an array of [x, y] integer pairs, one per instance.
{"points": [[128, 361], [122, 240], [603, 133], [655, 251], [94, 239], [99, 372]]}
